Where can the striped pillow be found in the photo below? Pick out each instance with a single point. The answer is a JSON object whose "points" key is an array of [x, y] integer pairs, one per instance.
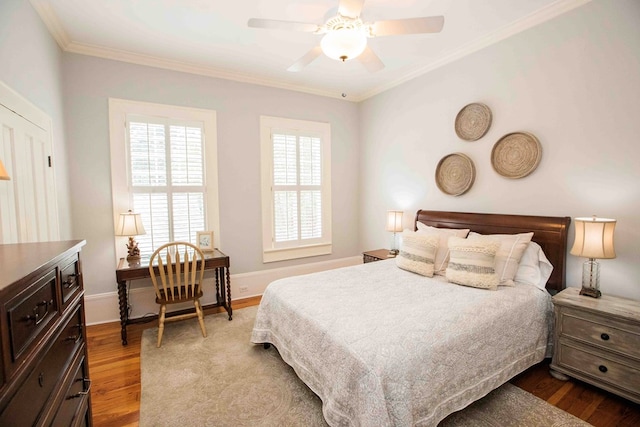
{"points": [[417, 253], [442, 255], [512, 247], [472, 263]]}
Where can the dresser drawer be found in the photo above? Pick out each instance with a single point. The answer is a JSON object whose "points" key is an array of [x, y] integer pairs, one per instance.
{"points": [[72, 410], [70, 279], [608, 334], [31, 312], [25, 406], [603, 367]]}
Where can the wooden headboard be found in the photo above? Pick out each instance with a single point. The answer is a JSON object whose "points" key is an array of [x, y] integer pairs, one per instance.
{"points": [[550, 232]]}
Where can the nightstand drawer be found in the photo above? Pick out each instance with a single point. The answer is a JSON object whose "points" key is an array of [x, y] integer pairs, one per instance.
{"points": [[606, 333], [602, 366]]}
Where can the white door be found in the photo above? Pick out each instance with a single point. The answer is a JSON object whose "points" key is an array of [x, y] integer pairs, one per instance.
{"points": [[28, 206]]}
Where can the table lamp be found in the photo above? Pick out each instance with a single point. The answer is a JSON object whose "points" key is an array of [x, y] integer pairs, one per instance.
{"points": [[3, 173], [394, 224], [594, 240], [130, 224]]}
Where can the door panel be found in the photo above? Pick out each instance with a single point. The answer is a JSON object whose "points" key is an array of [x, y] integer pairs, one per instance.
{"points": [[28, 211]]}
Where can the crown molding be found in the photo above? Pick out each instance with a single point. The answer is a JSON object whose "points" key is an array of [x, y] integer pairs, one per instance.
{"points": [[185, 67], [51, 21], [536, 18], [48, 16]]}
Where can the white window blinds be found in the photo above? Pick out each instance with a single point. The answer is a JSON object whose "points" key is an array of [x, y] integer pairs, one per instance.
{"points": [[296, 188], [167, 176]]}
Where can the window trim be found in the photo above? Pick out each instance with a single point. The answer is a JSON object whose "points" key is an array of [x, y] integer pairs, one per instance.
{"points": [[118, 111], [324, 247]]}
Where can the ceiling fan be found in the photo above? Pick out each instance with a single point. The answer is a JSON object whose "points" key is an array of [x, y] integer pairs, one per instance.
{"points": [[345, 35]]}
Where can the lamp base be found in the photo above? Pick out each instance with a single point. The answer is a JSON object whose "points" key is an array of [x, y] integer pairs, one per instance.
{"points": [[393, 253], [590, 292], [591, 279]]}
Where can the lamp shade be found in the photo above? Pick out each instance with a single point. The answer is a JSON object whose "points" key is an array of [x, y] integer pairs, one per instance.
{"points": [[3, 173], [344, 44], [394, 221], [130, 224], [594, 238]]}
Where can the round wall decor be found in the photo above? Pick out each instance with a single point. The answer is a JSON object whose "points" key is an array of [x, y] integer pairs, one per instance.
{"points": [[455, 174], [473, 122], [516, 155]]}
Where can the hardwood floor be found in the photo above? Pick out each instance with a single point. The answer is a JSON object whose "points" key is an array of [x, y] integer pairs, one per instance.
{"points": [[115, 375]]}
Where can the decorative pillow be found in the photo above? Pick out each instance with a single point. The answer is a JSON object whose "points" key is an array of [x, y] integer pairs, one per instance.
{"points": [[534, 269], [512, 246], [442, 255], [472, 263], [417, 253]]}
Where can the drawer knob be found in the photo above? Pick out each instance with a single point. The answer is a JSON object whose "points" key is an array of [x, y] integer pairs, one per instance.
{"points": [[602, 368], [605, 337]]}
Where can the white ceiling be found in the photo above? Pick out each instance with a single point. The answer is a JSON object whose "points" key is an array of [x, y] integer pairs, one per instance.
{"points": [[211, 37]]}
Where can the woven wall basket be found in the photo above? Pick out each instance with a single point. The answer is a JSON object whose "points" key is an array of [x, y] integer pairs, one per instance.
{"points": [[473, 122], [455, 174], [516, 155]]}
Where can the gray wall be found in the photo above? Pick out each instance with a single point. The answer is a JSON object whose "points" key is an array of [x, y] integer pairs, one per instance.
{"points": [[574, 82], [31, 64], [89, 82]]}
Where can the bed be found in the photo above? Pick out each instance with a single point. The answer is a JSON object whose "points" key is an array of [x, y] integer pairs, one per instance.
{"points": [[382, 346]]}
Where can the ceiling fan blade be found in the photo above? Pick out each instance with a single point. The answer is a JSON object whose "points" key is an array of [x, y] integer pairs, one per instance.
{"points": [[307, 59], [350, 8], [272, 24], [431, 24], [370, 60]]}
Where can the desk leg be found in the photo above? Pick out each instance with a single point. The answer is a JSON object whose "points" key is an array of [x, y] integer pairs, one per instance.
{"points": [[124, 312], [229, 294], [219, 301]]}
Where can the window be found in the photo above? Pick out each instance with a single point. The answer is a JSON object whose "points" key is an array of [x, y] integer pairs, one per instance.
{"points": [[169, 175], [296, 188]]}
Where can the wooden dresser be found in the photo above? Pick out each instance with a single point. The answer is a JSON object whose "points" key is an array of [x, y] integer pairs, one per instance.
{"points": [[44, 378], [597, 340]]}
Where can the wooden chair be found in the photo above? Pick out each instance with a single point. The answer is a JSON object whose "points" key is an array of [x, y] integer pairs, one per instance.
{"points": [[180, 280]]}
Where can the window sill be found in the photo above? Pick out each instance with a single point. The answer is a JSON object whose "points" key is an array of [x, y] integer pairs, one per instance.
{"points": [[273, 255]]}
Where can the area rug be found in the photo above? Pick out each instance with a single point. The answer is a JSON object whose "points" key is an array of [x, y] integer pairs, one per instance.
{"points": [[224, 380]]}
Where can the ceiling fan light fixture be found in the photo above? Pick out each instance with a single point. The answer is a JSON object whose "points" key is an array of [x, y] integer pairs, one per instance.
{"points": [[344, 44]]}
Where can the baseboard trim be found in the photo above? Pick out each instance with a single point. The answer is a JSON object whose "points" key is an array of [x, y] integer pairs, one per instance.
{"points": [[104, 308]]}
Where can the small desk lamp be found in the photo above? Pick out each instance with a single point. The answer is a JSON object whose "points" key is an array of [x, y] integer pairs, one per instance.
{"points": [[3, 173], [594, 239], [394, 224], [130, 224]]}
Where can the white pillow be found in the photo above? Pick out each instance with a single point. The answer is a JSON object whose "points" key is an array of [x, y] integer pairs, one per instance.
{"points": [[534, 269], [442, 255], [512, 247], [472, 262], [417, 253]]}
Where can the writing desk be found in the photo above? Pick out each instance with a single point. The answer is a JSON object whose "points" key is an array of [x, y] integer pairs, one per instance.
{"points": [[215, 260]]}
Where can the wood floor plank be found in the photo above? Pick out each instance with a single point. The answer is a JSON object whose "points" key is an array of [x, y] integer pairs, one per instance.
{"points": [[115, 375]]}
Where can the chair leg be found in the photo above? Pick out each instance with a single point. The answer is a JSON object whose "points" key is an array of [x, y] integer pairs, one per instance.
{"points": [[200, 317], [163, 310]]}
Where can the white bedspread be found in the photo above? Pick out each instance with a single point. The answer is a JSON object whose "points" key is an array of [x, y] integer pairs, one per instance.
{"points": [[386, 347]]}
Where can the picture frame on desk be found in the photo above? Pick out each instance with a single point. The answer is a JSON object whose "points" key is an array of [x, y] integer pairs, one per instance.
{"points": [[204, 240]]}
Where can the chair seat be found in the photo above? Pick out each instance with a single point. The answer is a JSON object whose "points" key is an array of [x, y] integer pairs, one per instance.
{"points": [[177, 297]]}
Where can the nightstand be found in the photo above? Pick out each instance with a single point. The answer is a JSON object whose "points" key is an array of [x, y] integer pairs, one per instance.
{"points": [[597, 340], [376, 255]]}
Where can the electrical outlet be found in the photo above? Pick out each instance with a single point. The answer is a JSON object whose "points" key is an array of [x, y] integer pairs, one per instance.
{"points": [[243, 289]]}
